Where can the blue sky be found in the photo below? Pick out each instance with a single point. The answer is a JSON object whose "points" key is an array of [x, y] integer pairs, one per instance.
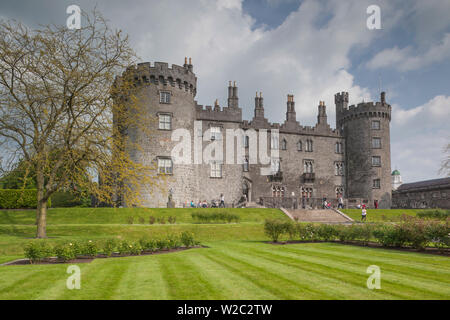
{"points": [[311, 49]]}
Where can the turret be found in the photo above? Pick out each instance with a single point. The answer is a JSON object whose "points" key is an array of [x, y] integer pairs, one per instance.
{"points": [[233, 100], [322, 116], [259, 106], [290, 113]]}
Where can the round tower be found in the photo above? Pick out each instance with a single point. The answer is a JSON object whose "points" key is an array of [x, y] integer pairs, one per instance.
{"points": [[165, 96], [366, 128]]}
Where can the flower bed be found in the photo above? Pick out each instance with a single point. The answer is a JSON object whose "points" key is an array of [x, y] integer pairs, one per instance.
{"points": [[42, 252], [410, 233]]}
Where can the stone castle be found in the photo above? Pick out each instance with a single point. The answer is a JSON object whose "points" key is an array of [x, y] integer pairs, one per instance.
{"points": [[317, 162]]}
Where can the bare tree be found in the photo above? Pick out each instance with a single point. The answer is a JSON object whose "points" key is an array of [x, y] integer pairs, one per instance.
{"points": [[56, 109]]}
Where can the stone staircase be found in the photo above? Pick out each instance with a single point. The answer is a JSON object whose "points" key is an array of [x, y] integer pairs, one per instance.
{"points": [[322, 216]]}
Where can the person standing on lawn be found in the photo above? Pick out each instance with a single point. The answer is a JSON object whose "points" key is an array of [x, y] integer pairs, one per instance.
{"points": [[364, 214]]}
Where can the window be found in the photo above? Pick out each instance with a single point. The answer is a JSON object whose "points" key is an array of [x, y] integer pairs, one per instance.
{"points": [[376, 143], [275, 165], [338, 148], [216, 169], [299, 146], [165, 166], [375, 125], [306, 192], [308, 166], [274, 142], [339, 168], [376, 161], [246, 141], [376, 184], [278, 191], [165, 121], [164, 97], [283, 144], [245, 165], [309, 145], [339, 191], [215, 133]]}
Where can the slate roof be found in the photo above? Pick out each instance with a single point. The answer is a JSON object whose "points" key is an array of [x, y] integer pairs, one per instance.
{"points": [[435, 183]]}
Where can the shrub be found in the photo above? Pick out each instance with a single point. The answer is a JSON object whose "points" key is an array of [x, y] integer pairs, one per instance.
{"points": [[161, 220], [172, 220], [147, 244], [307, 232], [141, 220], [67, 251], [19, 199], [130, 219], [126, 247], [187, 239], [326, 232], [36, 251], [162, 244], [151, 219], [438, 233], [346, 233], [88, 248], [275, 228], [109, 247], [173, 242]]}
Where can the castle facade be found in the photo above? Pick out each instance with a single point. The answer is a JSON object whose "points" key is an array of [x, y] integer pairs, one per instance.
{"points": [[316, 162]]}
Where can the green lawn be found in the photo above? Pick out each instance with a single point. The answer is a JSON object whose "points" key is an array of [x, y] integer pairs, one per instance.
{"points": [[240, 270], [237, 264], [376, 215]]}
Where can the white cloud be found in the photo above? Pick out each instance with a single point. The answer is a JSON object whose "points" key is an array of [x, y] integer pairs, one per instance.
{"points": [[406, 59], [418, 136], [299, 57]]}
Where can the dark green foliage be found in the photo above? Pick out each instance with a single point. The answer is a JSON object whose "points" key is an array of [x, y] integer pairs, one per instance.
{"points": [[436, 214], [19, 199], [220, 216], [151, 219], [66, 199]]}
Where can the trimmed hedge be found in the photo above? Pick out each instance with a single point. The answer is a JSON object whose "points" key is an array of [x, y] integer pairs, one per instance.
{"points": [[19, 199], [415, 233]]}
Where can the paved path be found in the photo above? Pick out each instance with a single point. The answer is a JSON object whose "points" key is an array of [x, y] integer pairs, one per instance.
{"points": [[323, 216]]}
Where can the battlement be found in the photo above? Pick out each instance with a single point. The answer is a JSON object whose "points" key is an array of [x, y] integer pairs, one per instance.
{"points": [[216, 113], [379, 109], [160, 73]]}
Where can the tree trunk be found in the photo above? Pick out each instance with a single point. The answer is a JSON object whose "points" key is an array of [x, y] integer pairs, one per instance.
{"points": [[42, 220], [41, 214]]}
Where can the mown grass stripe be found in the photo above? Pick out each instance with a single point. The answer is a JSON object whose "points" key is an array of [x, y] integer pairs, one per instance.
{"points": [[408, 284]]}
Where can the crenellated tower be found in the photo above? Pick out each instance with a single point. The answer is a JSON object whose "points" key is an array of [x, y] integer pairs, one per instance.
{"points": [[366, 129]]}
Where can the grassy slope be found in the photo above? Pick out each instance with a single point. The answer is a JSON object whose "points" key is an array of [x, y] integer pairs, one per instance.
{"points": [[241, 270], [120, 215], [377, 214]]}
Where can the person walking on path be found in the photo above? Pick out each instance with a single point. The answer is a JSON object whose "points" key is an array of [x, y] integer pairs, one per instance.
{"points": [[340, 203], [222, 201], [364, 214]]}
